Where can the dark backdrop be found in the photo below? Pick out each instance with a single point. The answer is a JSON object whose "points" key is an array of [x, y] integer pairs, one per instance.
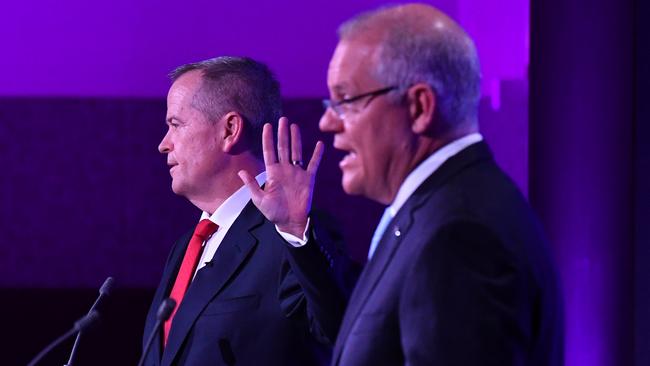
{"points": [[86, 195], [642, 185]]}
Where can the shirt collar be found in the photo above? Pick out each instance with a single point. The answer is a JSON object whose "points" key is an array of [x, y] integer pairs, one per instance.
{"points": [[230, 209], [428, 167]]}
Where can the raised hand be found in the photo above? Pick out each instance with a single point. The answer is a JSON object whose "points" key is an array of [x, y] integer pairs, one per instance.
{"points": [[287, 194]]}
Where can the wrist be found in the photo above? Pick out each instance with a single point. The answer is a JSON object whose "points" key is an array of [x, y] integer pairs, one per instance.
{"points": [[296, 229]]}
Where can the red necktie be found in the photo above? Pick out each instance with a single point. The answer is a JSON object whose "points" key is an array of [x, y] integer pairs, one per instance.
{"points": [[203, 230]]}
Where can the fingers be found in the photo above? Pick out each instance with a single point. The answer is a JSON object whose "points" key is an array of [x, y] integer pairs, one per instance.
{"points": [[296, 144], [287, 151], [251, 183], [283, 140], [316, 157], [267, 145]]}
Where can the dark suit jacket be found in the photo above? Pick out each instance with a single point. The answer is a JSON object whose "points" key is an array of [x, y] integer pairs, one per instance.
{"points": [[462, 276], [258, 302]]}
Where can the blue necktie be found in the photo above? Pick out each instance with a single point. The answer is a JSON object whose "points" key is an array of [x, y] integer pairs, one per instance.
{"points": [[379, 231]]}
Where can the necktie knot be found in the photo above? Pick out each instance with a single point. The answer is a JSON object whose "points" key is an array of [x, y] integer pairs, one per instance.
{"points": [[205, 228]]}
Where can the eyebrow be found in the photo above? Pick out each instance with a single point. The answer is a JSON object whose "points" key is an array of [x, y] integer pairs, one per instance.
{"points": [[173, 118], [341, 88]]}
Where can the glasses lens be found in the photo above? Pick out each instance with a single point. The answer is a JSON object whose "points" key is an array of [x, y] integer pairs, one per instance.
{"points": [[336, 108]]}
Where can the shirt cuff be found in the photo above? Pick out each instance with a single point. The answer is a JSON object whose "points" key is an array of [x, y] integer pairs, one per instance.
{"points": [[292, 239]]}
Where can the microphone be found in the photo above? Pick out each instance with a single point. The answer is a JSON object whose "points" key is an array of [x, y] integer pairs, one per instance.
{"points": [[104, 292], [79, 325], [164, 312]]}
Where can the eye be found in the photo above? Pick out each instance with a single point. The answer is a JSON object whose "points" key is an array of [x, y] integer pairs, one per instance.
{"points": [[337, 97]]}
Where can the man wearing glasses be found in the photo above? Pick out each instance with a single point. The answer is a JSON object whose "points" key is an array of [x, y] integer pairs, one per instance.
{"points": [[459, 272]]}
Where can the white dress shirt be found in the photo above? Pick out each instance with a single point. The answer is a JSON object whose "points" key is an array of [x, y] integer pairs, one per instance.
{"points": [[226, 214], [415, 179]]}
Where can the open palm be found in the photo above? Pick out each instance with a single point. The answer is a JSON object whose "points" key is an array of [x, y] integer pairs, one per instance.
{"points": [[287, 194]]}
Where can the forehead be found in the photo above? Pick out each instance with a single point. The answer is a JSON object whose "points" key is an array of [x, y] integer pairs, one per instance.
{"points": [[184, 88], [352, 65]]}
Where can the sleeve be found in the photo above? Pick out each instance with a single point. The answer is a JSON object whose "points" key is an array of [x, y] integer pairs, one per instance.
{"points": [[292, 239], [315, 281], [461, 302]]}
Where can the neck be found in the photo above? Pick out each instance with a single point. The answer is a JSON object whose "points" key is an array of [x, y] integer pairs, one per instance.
{"points": [[429, 145], [420, 150], [227, 184]]}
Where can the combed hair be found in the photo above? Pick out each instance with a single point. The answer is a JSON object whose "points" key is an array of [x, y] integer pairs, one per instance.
{"points": [[421, 52], [238, 84]]}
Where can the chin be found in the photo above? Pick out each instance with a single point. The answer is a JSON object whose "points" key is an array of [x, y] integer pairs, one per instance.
{"points": [[356, 187], [177, 188], [351, 186]]}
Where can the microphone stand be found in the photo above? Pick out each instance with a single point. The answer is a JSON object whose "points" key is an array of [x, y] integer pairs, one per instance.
{"points": [[164, 312], [79, 325]]}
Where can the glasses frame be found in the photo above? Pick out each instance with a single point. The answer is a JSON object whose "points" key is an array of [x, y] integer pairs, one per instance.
{"points": [[335, 105]]}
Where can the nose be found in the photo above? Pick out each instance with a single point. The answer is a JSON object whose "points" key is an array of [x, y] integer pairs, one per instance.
{"points": [[165, 145], [330, 122]]}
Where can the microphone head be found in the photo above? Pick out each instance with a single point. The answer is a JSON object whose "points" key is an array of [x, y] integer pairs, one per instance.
{"points": [[84, 323], [165, 309], [107, 287]]}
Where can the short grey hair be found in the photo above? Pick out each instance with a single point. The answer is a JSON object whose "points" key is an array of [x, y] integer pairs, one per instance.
{"points": [[420, 51], [238, 84]]}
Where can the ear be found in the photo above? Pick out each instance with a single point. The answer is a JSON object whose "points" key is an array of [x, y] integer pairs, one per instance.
{"points": [[233, 130], [422, 104]]}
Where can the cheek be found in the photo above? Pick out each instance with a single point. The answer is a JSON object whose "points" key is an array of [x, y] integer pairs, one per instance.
{"points": [[367, 150], [188, 149], [377, 155]]}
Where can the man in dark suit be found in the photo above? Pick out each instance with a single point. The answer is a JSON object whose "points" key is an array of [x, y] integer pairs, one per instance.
{"points": [[254, 286], [459, 272]]}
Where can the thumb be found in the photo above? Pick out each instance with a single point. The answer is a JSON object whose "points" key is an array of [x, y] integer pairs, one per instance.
{"points": [[251, 183]]}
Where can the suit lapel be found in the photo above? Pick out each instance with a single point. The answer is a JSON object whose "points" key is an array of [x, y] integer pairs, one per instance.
{"points": [[398, 230], [233, 251]]}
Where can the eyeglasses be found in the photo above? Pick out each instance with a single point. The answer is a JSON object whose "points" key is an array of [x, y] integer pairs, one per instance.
{"points": [[343, 106]]}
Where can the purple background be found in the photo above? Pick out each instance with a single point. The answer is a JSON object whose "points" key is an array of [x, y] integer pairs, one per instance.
{"points": [[84, 194], [88, 195], [126, 48], [80, 140]]}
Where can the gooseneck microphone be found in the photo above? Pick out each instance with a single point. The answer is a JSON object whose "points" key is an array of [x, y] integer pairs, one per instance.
{"points": [[79, 325], [164, 312], [104, 292]]}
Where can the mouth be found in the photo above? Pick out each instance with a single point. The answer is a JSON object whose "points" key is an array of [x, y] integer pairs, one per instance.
{"points": [[348, 159]]}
